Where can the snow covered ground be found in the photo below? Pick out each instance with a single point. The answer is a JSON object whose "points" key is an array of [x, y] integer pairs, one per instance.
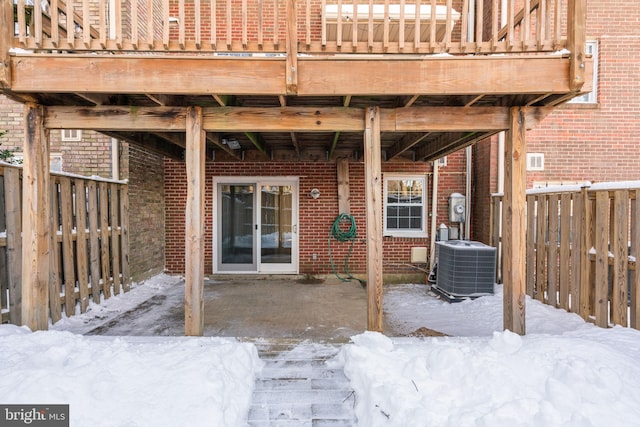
{"points": [[563, 373]]}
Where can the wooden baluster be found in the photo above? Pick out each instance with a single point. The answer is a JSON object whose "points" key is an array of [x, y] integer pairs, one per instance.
{"points": [[86, 24], [416, 25], [354, 27], [54, 16], [134, 24], [244, 24], [276, 23], [102, 11], [370, 26], [479, 24], [150, 32], [214, 26], [198, 31], [182, 24]]}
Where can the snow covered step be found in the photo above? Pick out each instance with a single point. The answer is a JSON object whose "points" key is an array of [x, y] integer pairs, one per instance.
{"points": [[296, 388]]}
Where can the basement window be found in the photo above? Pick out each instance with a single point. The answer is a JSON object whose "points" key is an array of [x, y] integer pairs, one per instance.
{"points": [[405, 206], [71, 135]]}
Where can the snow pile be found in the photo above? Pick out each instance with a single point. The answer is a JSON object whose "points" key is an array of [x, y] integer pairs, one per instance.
{"points": [[583, 378], [148, 381]]}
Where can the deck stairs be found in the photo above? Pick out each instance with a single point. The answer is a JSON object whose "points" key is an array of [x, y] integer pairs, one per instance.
{"points": [[298, 388]]}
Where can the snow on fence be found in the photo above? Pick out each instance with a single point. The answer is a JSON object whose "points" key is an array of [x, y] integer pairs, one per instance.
{"points": [[90, 239], [582, 246]]}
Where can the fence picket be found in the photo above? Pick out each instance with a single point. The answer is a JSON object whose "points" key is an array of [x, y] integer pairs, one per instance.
{"points": [[565, 251], [94, 241], [81, 243], [635, 253], [552, 254], [104, 238], [541, 246], [601, 240], [55, 309], [14, 243], [115, 237], [619, 247], [576, 253], [531, 252], [69, 283], [124, 237]]}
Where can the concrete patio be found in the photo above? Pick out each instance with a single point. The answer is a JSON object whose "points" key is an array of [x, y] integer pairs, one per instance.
{"points": [[251, 307]]}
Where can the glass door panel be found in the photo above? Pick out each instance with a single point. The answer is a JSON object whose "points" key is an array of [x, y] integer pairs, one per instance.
{"points": [[276, 224], [237, 245]]}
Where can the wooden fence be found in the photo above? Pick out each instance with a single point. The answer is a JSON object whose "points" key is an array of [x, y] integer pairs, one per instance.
{"points": [[582, 247], [312, 26], [90, 240]]}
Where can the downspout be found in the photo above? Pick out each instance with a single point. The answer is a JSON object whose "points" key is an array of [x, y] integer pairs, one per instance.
{"points": [[434, 216], [467, 213], [115, 158], [500, 188]]}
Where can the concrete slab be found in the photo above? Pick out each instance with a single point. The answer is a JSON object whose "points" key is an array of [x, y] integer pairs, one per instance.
{"points": [[252, 307]]}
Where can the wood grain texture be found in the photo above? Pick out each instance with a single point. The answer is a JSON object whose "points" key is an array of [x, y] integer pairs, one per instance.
{"points": [[194, 223], [35, 221], [514, 235]]}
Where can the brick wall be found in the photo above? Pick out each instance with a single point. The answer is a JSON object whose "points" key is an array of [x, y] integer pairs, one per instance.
{"points": [[316, 215], [583, 142], [90, 156], [598, 142], [146, 218]]}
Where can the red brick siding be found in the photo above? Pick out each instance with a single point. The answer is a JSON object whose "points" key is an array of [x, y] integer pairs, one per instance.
{"points": [[316, 215], [146, 219], [91, 156]]}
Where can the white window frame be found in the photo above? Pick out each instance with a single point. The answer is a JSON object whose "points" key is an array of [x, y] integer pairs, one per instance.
{"points": [[54, 158], [535, 161], [591, 48], [71, 135], [393, 232]]}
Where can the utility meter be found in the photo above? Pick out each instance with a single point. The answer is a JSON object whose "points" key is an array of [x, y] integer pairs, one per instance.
{"points": [[457, 208]]}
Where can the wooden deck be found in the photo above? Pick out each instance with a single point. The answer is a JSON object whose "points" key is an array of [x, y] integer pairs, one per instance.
{"points": [[297, 80]]}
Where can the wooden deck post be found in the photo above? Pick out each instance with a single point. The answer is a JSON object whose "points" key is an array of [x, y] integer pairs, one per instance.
{"points": [[194, 223], [576, 42], [35, 221], [6, 41], [373, 197], [292, 48], [513, 213]]}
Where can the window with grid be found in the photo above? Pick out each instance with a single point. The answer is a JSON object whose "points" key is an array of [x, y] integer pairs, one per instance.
{"points": [[405, 206]]}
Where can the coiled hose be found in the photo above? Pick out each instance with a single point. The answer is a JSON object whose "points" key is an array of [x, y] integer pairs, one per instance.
{"points": [[343, 236]]}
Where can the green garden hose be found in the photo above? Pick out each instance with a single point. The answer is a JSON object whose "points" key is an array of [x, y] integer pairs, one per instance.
{"points": [[343, 236]]}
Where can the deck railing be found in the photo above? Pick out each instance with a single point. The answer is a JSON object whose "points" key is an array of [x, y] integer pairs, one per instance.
{"points": [[582, 247], [315, 26], [90, 256]]}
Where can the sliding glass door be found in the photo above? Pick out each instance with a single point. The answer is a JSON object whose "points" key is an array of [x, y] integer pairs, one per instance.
{"points": [[257, 226]]}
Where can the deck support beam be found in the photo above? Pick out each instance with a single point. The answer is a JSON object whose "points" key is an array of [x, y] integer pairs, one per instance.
{"points": [[194, 223], [36, 224], [373, 201], [514, 234]]}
